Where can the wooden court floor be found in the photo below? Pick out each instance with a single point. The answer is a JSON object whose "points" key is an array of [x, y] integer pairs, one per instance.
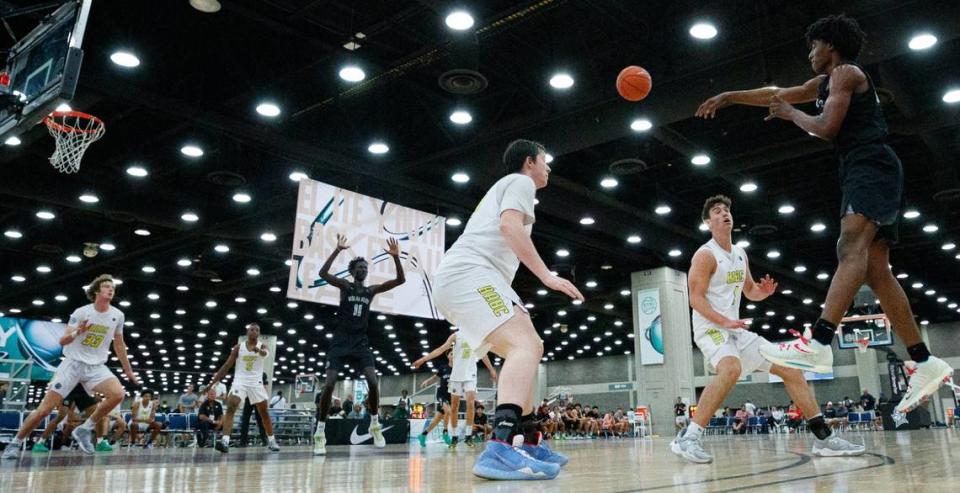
{"points": [[908, 461]]}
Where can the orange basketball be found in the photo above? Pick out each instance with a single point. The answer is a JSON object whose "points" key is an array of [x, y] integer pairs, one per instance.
{"points": [[634, 83]]}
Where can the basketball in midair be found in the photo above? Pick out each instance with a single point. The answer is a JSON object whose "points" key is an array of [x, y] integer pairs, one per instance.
{"points": [[634, 83]]}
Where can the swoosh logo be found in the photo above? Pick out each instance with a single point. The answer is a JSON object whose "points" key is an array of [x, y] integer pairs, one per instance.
{"points": [[358, 439]]}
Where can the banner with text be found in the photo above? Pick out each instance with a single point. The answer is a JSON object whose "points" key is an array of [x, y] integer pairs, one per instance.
{"points": [[651, 326], [23, 339]]}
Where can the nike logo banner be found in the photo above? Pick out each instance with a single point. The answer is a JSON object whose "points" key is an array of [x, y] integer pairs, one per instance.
{"points": [[348, 431]]}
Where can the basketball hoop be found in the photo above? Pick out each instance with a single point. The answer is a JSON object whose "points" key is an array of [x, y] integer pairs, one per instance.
{"points": [[862, 345], [73, 132]]}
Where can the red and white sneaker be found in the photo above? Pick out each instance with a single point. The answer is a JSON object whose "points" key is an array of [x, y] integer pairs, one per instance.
{"points": [[924, 379], [799, 353]]}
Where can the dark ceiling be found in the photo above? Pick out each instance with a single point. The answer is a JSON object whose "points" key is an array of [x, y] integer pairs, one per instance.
{"points": [[201, 76]]}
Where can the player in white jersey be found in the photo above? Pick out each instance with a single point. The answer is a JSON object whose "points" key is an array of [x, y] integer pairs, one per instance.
{"points": [[247, 384], [719, 275], [144, 419], [463, 382], [472, 289], [86, 347]]}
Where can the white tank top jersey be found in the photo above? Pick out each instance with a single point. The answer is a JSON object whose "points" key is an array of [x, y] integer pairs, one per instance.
{"points": [[726, 283], [464, 362], [482, 244], [249, 367], [143, 414], [93, 346]]}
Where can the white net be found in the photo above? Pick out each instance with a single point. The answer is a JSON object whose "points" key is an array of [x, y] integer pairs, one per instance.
{"points": [[73, 132]]}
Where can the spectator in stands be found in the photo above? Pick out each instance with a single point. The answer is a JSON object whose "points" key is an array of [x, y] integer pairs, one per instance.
{"points": [[277, 402], [405, 399], [209, 418], [357, 412], [559, 428], [623, 422], [401, 412], [480, 424], [336, 409], [680, 413], [164, 408], [3, 392], [830, 415], [847, 402], [750, 408], [347, 407], [842, 412], [543, 410], [778, 417], [188, 400], [740, 422], [867, 401], [794, 416]]}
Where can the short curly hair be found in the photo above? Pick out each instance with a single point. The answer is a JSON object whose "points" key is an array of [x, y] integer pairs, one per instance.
{"points": [[712, 201], [842, 32], [353, 263], [95, 286]]}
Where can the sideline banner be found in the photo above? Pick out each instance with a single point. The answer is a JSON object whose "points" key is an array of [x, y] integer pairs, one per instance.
{"points": [[24, 339], [651, 337]]}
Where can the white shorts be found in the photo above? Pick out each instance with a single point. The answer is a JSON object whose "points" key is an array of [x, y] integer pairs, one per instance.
{"points": [[72, 372], [477, 302], [253, 391], [681, 420], [142, 427], [718, 343], [461, 388]]}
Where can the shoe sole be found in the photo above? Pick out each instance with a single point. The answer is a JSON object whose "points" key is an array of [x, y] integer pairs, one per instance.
{"points": [[501, 475], [675, 448], [928, 389], [795, 364], [320, 452], [825, 452]]}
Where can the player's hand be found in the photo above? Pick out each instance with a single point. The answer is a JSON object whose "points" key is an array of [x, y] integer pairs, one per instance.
{"points": [[393, 248], [83, 327], [566, 287], [418, 363], [780, 109], [735, 324], [493, 376], [767, 286], [708, 109], [423, 384], [342, 242], [133, 378]]}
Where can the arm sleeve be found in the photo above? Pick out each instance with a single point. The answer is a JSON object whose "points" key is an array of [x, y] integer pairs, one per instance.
{"points": [[518, 195]]}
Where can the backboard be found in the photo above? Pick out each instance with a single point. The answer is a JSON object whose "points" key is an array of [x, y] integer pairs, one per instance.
{"points": [[42, 68], [875, 328]]}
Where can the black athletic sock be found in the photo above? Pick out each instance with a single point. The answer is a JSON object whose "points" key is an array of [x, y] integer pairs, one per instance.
{"points": [[506, 421], [824, 331], [919, 352], [818, 427], [530, 429]]}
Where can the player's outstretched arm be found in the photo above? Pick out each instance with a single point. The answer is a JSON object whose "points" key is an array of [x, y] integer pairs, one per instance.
{"points": [[234, 354], [325, 269], [393, 248], [516, 237], [760, 97], [758, 291], [843, 82], [436, 352]]}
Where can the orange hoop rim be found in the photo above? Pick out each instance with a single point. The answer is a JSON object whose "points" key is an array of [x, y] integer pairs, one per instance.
{"points": [[59, 127]]}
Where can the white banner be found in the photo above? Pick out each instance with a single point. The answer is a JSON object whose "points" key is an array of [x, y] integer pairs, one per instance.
{"points": [[324, 210], [651, 327]]}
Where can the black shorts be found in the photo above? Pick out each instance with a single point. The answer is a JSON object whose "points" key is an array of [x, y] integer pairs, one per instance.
{"points": [[360, 358], [443, 397], [80, 397], [871, 181]]}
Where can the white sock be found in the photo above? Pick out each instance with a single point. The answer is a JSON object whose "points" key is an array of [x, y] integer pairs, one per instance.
{"points": [[468, 431], [226, 439], [270, 438], [373, 421], [321, 426], [693, 431], [16, 441], [88, 424]]}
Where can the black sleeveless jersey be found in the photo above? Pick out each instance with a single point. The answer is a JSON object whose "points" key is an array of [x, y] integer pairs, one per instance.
{"points": [[864, 122], [443, 371], [354, 314]]}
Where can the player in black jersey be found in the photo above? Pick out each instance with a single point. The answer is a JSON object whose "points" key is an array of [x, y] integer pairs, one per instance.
{"points": [[350, 340], [443, 411], [871, 180]]}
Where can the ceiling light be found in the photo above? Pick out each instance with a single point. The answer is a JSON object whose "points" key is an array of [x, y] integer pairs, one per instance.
{"points": [[773, 254], [46, 215], [951, 96], [190, 217], [800, 268], [786, 209], [207, 7], [268, 237], [17, 278], [930, 228], [743, 243], [149, 269], [586, 221], [948, 246], [818, 227], [911, 214], [60, 297], [460, 177], [137, 171], [253, 272], [461, 117], [674, 253], [13, 140], [459, 20], [221, 248], [378, 148], [184, 262], [822, 276], [12, 233], [561, 81], [662, 209], [700, 160], [191, 150], [903, 275], [634, 239], [268, 109], [63, 107], [89, 198], [547, 158], [922, 41], [591, 284], [141, 232], [43, 269], [641, 125], [352, 73], [703, 227], [183, 288], [563, 253], [298, 175], [125, 59], [241, 198], [609, 182], [703, 30], [748, 187], [74, 259], [453, 221]]}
